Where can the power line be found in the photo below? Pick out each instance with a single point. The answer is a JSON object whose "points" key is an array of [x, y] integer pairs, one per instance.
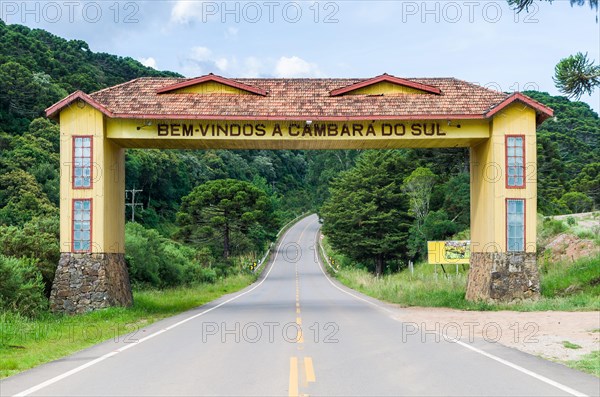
{"points": [[133, 204]]}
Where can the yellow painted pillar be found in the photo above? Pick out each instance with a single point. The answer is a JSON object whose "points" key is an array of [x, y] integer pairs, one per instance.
{"points": [[504, 209], [91, 273]]}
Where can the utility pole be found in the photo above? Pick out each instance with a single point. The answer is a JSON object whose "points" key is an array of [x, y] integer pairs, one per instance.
{"points": [[132, 204]]}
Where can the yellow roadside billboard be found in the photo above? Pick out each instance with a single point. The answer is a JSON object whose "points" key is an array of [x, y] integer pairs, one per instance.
{"points": [[449, 252]]}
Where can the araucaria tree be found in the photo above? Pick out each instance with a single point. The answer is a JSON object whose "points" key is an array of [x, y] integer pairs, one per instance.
{"points": [[575, 75], [366, 216], [234, 214]]}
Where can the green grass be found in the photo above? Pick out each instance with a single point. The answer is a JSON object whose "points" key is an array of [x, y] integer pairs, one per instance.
{"points": [[420, 289], [560, 279], [26, 343], [567, 287], [589, 363], [570, 345]]}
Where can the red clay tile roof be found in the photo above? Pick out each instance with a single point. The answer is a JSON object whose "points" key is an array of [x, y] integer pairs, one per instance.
{"points": [[387, 78], [293, 99], [213, 78]]}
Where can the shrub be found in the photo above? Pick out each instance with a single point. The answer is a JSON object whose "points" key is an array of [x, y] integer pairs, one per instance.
{"points": [[577, 202], [21, 286], [142, 256], [552, 227], [156, 261], [37, 239], [198, 274]]}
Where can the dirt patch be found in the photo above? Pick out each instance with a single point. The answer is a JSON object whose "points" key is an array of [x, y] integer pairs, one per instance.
{"points": [[587, 220], [538, 333], [569, 248]]}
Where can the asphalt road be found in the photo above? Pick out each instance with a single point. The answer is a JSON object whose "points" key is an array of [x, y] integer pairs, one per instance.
{"points": [[249, 343]]}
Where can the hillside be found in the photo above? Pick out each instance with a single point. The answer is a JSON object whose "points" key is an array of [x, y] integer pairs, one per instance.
{"points": [[38, 68], [568, 156]]}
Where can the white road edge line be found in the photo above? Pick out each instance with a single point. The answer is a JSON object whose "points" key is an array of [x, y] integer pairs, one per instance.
{"points": [[535, 375], [321, 266], [140, 341]]}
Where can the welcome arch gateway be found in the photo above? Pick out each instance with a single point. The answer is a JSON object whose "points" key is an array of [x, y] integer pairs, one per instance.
{"points": [[211, 112]]}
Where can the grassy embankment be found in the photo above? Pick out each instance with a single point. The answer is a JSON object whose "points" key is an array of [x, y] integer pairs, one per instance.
{"points": [[26, 343], [565, 286]]}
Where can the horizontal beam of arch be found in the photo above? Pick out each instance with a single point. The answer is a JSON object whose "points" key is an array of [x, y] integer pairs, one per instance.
{"points": [[296, 134]]}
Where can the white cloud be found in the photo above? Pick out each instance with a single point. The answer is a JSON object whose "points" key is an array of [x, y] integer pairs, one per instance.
{"points": [[296, 67], [201, 54], [231, 32], [222, 64], [201, 60], [253, 67], [184, 11], [150, 62]]}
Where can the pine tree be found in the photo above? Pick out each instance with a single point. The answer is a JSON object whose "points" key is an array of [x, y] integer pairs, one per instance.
{"points": [[366, 216]]}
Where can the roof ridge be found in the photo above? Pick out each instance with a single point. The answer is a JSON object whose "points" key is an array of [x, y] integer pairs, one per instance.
{"points": [[480, 86], [116, 86], [389, 79], [215, 79]]}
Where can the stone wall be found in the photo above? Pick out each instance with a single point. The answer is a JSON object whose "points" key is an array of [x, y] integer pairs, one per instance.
{"points": [[85, 282], [503, 277]]}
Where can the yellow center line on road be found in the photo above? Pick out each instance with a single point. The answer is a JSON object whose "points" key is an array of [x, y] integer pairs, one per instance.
{"points": [[309, 369], [298, 368], [302, 234], [305, 366], [293, 387]]}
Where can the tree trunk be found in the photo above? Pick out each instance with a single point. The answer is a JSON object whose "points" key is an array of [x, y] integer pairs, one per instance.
{"points": [[226, 241], [379, 266]]}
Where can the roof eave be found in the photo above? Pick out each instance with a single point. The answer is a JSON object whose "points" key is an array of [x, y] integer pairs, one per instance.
{"points": [[542, 112], [54, 110], [148, 116]]}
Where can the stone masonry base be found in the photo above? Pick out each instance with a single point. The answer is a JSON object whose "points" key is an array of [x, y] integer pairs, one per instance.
{"points": [[503, 277], [86, 282]]}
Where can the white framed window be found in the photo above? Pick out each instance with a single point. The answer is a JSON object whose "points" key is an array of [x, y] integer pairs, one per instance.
{"points": [[515, 225], [515, 161], [82, 225], [82, 162]]}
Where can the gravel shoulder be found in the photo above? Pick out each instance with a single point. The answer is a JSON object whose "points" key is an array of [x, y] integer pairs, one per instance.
{"points": [[539, 333]]}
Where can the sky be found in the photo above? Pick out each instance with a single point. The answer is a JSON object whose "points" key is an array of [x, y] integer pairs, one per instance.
{"points": [[478, 41]]}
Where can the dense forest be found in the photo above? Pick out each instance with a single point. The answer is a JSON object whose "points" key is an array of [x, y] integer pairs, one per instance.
{"points": [[38, 68]]}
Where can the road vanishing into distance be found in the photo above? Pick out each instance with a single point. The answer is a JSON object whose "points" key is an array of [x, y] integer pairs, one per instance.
{"points": [[250, 344]]}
